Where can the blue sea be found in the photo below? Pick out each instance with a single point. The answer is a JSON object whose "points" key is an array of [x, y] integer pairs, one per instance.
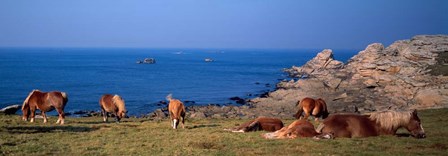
{"points": [[87, 73]]}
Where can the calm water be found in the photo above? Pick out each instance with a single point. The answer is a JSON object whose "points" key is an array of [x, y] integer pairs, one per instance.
{"points": [[86, 74]]}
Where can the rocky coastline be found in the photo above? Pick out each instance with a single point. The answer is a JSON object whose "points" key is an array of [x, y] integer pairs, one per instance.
{"points": [[408, 74]]}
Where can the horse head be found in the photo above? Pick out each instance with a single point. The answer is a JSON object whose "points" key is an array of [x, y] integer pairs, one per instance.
{"points": [[415, 126], [119, 102], [26, 106], [25, 112]]}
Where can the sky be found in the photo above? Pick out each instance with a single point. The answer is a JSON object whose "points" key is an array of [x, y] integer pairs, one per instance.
{"points": [[260, 24]]}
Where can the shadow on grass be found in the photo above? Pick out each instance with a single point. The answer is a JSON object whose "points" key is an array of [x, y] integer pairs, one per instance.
{"points": [[101, 122], [201, 126], [403, 135], [45, 129], [90, 122]]}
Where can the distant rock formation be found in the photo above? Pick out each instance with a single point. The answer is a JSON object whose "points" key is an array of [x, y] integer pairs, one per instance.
{"points": [[10, 109]]}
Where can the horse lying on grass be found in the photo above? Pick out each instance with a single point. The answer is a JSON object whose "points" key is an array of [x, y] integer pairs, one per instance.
{"points": [[310, 106], [375, 124], [299, 128], [259, 124], [112, 104], [177, 111], [45, 102]]}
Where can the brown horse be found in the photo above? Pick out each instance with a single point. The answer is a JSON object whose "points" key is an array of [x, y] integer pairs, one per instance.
{"points": [[310, 106], [45, 102], [112, 104], [299, 128], [379, 123], [177, 111], [258, 124]]}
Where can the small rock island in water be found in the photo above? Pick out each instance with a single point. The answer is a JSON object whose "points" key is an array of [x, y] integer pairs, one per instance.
{"points": [[146, 61]]}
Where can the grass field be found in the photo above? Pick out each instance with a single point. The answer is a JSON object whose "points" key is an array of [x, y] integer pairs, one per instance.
{"points": [[90, 136]]}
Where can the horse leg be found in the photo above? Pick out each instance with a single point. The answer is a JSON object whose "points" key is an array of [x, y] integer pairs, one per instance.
{"points": [[61, 116], [183, 122], [315, 113], [307, 114], [116, 117], [44, 116], [319, 128], [33, 111], [104, 113]]}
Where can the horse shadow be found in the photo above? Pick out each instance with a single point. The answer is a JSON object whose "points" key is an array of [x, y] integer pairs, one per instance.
{"points": [[403, 135], [45, 129], [100, 122]]}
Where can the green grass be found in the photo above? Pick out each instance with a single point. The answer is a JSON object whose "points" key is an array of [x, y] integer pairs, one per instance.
{"points": [[90, 136]]}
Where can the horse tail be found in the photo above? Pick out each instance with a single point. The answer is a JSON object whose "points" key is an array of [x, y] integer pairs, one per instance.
{"points": [[298, 103], [25, 103], [169, 97], [324, 108], [64, 98], [300, 109]]}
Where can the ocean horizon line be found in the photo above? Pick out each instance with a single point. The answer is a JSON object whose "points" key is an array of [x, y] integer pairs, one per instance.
{"points": [[180, 49]]}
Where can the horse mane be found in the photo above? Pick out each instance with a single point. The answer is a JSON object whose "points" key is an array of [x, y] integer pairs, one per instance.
{"points": [[120, 104], [169, 97], [391, 120], [25, 103]]}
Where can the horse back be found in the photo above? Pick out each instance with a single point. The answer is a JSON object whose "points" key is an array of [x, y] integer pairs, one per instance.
{"points": [[261, 123], [298, 128], [59, 98], [107, 103], [349, 125], [270, 124], [176, 108], [46, 101], [301, 128], [307, 104]]}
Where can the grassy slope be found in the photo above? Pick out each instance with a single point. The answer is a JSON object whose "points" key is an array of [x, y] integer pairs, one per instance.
{"points": [[89, 136]]}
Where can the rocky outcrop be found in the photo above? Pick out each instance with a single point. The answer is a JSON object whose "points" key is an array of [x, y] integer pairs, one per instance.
{"points": [[397, 77], [9, 110], [409, 74]]}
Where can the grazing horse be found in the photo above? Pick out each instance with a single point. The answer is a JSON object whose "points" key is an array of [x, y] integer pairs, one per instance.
{"points": [[375, 124], [177, 111], [45, 102], [299, 128], [258, 124], [112, 104], [310, 106]]}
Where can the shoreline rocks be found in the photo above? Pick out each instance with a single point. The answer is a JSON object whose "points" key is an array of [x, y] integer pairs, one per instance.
{"points": [[10, 110], [408, 74], [377, 78]]}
